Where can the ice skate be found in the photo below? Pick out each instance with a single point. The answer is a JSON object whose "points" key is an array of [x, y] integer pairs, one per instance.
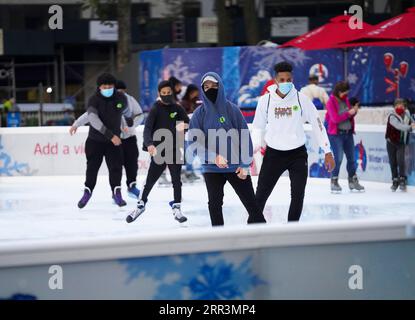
{"points": [[177, 212], [117, 197], [355, 185], [85, 198], [334, 185], [141, 207], [133, 192]]}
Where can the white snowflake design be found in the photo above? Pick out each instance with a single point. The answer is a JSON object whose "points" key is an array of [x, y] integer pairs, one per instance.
{"points": [[352, 78], [180, 71], [412, 87]]}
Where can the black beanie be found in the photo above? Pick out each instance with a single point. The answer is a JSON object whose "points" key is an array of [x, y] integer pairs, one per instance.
{"points": [[164, 84], [173, 81], [106, 78], [120, 85]]}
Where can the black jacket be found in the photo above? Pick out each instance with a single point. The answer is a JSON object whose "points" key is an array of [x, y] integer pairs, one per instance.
{"points": [[163, 117], [104, 115]]}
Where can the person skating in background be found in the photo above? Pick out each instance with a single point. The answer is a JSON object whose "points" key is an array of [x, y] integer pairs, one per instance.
{"points": [[281, 114], [317, 94], [398, 127], [105, 111], [128, 136], [177, 86], [190, 102], [191, 99], [220, 166], [165, 115], [341, 128]]}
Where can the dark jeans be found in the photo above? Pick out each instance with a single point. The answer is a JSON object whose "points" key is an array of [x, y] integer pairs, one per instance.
{"points": [[130, 153], [215, 183], [95, 152], [396, 153], [154, 173], [343, 143], [273, 166]]}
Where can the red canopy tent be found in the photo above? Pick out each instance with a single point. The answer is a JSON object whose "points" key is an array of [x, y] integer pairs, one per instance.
{"points": [[401, 27], [328, 35], [338, 34]]}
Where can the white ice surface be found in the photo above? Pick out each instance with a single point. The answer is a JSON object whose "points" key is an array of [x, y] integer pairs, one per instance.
{"points": [[44, 208]]}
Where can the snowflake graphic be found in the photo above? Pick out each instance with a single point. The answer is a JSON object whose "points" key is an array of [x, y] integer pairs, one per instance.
{"points": [[265, 58], [8, 167], [360, 56], [20, 296], [412, 86], [180, 71], [352, 78], [195, 276]]}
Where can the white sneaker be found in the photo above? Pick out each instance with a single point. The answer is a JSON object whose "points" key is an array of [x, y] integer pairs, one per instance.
{"points": [[141, 207], [177, 212]]}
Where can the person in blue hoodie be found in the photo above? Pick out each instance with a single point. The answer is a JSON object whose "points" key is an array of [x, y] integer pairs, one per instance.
{"points": [[218, 133]]}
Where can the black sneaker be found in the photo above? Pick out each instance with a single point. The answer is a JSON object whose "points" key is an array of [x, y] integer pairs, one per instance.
{"points": [[402, 183], [395, 184]]}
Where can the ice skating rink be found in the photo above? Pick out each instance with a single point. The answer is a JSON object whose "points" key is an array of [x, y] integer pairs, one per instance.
{"points": [[155, 257], [45, 208]]}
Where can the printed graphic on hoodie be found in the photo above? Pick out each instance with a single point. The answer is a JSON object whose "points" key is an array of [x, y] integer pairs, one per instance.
{"points": [[283, 112]]}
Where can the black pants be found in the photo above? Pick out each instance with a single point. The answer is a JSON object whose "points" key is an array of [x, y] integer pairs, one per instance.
{"points": [[154, 173], [396, 153], [95, 152], [130, 154], [274, 164], [215, 183]]}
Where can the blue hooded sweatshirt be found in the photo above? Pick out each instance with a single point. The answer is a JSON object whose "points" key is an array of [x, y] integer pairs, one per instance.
{"points": [[222, 114]]}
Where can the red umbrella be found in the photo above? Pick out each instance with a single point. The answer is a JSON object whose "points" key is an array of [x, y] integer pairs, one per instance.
{"points": [[401, 27], [329, 35]]}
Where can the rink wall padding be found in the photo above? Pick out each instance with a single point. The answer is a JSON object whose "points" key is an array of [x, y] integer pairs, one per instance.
{"points": [[365, 259], [51, 151]]}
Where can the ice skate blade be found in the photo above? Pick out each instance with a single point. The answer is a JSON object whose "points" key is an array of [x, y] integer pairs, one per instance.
{"points": [[181, 220], [357, 191]]}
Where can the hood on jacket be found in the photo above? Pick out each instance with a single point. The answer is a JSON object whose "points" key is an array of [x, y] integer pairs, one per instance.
{"points": [[220, 103]]}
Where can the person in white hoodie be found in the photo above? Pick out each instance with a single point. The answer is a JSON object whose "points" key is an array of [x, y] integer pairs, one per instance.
{"points": [[280, 115]]}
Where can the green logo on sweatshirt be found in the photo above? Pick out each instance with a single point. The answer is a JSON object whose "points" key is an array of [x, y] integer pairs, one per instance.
{"points": [[119, 105], [222, 119], [173, 115], [295, 108]]}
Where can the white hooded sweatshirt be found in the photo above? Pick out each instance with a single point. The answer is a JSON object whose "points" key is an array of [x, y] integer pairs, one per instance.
{"points": [[282, 120]]}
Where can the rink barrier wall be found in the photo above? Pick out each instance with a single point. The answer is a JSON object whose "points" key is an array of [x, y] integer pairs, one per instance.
{"points": [[294, 261], [51, 151], [207, 240]]}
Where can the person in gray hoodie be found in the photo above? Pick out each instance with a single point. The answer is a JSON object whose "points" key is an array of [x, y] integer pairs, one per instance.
{"points": [[225, 158]]}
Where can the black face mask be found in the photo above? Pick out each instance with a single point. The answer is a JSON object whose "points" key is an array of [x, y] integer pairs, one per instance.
{"points": [[212, 94], [167, 99]]}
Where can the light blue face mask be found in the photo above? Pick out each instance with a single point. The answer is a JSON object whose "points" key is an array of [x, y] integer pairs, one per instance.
{"points": [[285, 87], [107, 92]]}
